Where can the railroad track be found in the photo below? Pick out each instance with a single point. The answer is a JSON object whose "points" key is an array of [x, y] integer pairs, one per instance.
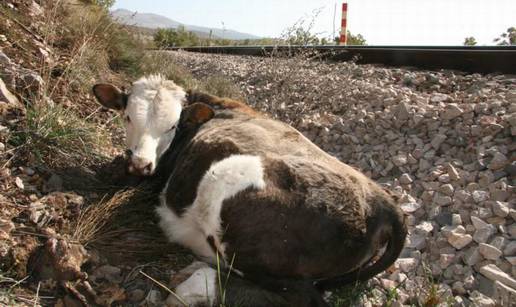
{"points": [[495, 59]]}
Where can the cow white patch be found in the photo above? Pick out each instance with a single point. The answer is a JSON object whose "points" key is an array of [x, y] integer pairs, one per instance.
{"points": [[223, 180], [199, 288]]}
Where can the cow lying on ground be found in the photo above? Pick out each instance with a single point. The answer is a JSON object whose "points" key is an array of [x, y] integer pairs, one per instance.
{"points": [[254, 192]]}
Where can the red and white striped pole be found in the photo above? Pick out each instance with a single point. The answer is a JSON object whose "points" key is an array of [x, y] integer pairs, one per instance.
{"points": [[344, 25]]}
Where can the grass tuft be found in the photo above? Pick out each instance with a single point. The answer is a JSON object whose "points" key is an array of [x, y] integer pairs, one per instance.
{"points": [[56, 135]]}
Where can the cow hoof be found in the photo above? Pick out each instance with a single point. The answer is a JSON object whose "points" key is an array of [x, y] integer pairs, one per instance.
{"points": [[200, 289]]}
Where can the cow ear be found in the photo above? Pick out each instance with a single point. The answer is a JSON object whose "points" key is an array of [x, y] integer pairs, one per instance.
{"points": [[196, 114], [110, 96]]}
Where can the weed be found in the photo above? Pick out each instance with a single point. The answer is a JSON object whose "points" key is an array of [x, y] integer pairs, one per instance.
{"points": [[54, 135], [160, 62], [349, 295], [222, 87]]}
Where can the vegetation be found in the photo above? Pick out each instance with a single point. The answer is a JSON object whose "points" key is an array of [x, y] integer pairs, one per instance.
{"points": [[356, 40], [176, 38], [106, 4], [92, 47], [470, 41], [300, 34], [507, 38]]}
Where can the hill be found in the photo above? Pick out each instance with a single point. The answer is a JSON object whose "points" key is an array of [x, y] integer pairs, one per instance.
{"points": [[154, 21]]}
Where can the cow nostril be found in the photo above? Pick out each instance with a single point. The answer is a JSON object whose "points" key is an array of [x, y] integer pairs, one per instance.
{"points": [[128, 153], [147, 169]]}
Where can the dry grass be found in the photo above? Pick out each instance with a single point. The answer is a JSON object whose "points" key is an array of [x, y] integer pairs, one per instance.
{"points": [[222, 87], [93, 221], [163, 62], [58, 137], [62, 126]]}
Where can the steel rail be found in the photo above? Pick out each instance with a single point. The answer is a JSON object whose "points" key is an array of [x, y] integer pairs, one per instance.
{"points": [[473, 59]]}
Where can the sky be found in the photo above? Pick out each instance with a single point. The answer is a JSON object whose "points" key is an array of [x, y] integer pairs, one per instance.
{"points": [[381, 22]]}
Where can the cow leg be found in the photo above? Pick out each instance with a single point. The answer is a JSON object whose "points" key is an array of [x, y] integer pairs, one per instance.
{"points": [[200, 287]]}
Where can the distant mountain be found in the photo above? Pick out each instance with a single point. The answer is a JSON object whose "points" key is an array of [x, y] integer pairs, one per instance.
{"points": [[154, 21]]}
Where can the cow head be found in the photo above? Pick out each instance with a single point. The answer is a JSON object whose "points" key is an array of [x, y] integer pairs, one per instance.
{"points": [[152, 111]]}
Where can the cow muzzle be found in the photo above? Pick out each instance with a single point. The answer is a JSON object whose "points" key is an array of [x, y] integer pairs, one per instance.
{"points": [[140, 166]]}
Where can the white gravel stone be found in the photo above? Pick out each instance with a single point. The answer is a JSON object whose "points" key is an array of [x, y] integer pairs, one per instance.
{"points": [[442, 200], [479, 196], [410, 207], [438, 140], [472, 256], [452, 111], [19, 183], [489, 252], [511, 260], [445, 260], [480, 300], [406, 265], [478, 223], [510, 249], [501, 209], [459, 241], [484, 234], [446, 189], [499, 161], [405, 179], [492, 272]]}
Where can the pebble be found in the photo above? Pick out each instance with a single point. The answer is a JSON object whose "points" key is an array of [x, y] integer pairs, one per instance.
{"points": [[442, 200], [472, 256], [501, 209], [489, 252], [480, 196], [498, 162], [405, 179], [492, 272], [446, 189], [410, 207], [406, 264], [458, 240], [510, 249], [19, 183]]}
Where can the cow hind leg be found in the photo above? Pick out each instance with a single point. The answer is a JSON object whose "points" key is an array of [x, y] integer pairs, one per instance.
{"points": [[202, 288]]}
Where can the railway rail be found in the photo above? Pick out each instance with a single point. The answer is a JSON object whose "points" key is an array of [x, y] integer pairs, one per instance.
{"points": [[494, 59]]}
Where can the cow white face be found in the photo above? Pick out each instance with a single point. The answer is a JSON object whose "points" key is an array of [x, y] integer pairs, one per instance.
{"points": [[151, 114]]}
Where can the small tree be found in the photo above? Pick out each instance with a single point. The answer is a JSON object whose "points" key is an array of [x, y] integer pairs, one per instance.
{"points": [[470, 41], [106, 4], [302, 37], [357, 40], [179, 37], [507, 38]]}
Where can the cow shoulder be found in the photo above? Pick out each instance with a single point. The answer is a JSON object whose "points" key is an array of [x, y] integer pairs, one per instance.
{"points": [[190, 168]]}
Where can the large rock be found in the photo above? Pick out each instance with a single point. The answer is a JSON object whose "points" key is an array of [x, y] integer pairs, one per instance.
{"points": [[7, 96], [459, 240], [451, 111], [492, 272], [489, 252]]}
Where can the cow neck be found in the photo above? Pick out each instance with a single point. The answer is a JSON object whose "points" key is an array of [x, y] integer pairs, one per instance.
{"points": [[167, 162]]}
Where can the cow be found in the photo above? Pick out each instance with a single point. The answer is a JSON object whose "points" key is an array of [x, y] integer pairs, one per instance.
{"points": [[253, 195]]}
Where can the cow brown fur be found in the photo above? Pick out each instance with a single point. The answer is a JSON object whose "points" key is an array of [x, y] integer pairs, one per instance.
{"points": [[317, 218]]}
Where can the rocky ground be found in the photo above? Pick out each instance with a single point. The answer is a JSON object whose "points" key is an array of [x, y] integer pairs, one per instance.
{"points": [[444, 140], [73, 231]]}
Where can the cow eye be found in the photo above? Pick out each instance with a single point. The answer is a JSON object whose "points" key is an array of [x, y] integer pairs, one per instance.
{"points": [[172, 128], [127, 119]]}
